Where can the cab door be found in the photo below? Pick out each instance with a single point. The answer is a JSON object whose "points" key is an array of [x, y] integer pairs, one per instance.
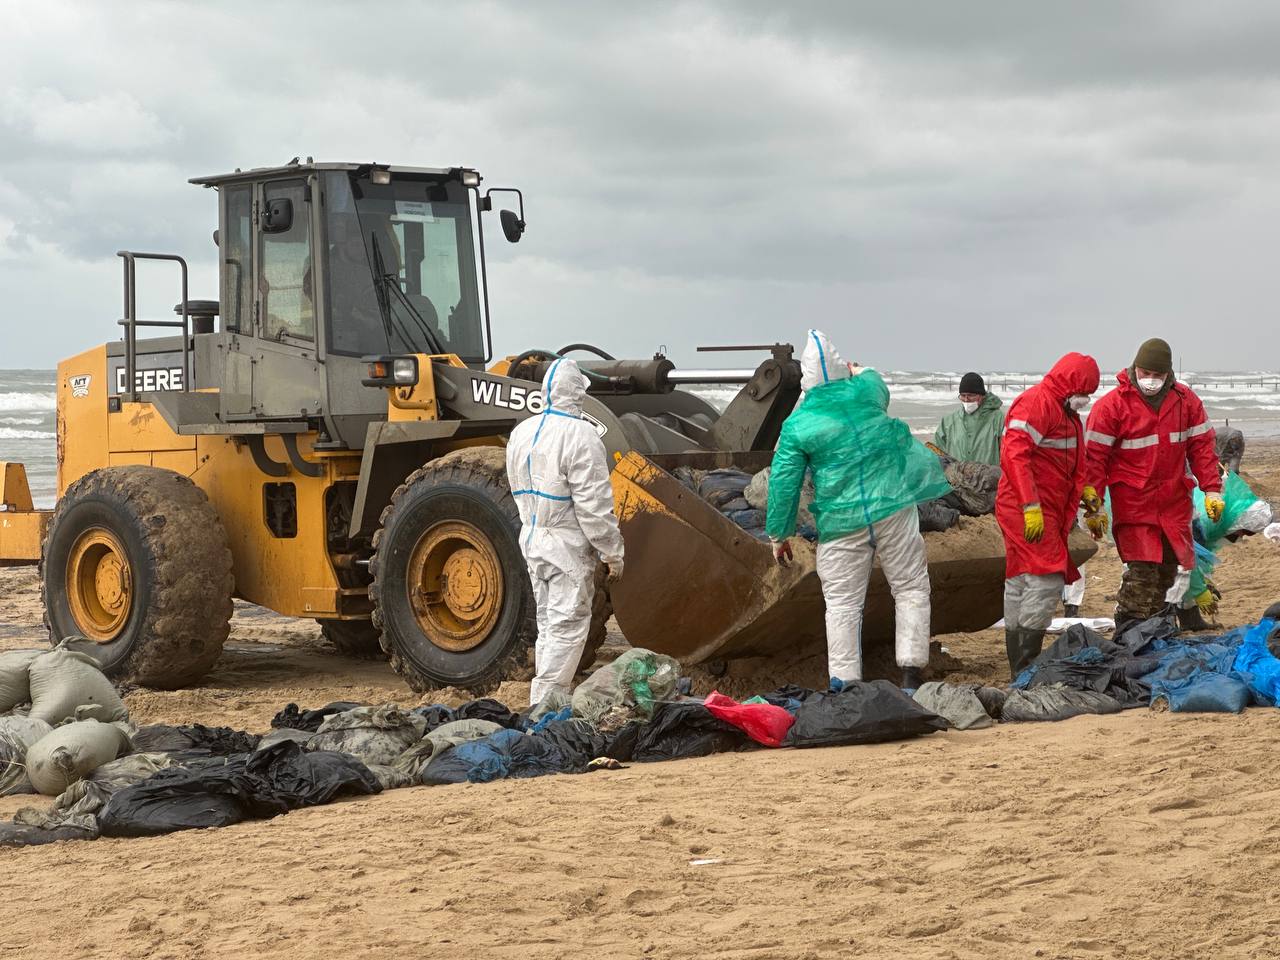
{"points": [[274, 365]]}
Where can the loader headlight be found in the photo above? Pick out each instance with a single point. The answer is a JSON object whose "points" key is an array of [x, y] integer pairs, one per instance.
{"points": [[470, 178], [391, 371]]}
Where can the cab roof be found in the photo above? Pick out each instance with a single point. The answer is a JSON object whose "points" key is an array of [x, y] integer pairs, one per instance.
{"points": [[296, 167]]}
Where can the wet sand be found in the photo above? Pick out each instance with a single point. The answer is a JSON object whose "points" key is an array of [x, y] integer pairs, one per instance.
{"points": [[1142, 835]]}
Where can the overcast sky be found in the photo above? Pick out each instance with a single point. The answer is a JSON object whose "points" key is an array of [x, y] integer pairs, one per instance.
{"points": [[938, 185]]}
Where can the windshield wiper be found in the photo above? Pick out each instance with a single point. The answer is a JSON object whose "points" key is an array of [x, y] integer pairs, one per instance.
{"points": [[389, 282]]}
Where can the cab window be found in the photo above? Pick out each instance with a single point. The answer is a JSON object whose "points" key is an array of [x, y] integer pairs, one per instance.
{"points": [[285, 280]]}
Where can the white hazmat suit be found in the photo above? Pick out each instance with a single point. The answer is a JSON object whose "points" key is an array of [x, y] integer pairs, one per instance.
{"points": [[560, 479]]}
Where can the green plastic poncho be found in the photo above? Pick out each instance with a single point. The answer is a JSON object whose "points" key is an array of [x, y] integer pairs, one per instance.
{"points": [[866, 466], [973, 436], [1243, 511]]}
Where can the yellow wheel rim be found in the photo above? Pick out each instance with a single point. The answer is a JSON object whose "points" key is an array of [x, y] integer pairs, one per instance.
{"points": [[454, 582], [99, 585]]}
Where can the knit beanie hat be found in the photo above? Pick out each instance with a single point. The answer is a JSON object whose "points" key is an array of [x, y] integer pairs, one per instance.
{"points": [[972, 383], [1155, 355]]}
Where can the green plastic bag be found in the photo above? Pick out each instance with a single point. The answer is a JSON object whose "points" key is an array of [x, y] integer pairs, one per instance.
{"points": [[630, 688]]}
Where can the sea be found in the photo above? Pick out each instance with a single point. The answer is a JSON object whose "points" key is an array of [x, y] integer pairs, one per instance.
{"points": [[1249, 401]]}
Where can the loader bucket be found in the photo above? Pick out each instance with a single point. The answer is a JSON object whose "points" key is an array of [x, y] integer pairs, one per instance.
{"points": [[698, 587]]}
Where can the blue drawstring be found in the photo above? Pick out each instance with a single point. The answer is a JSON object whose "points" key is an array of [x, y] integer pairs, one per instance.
{"points": [[822, 357]]}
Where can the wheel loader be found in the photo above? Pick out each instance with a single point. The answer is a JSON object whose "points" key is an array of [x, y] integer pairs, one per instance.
{"points": [[326, 439]]}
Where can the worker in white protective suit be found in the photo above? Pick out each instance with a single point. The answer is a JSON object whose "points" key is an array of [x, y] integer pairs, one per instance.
{"points": [[868, 474], [560, 479]]}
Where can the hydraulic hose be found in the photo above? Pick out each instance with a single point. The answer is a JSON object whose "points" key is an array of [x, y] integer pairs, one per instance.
{"points": [[589, 348]]}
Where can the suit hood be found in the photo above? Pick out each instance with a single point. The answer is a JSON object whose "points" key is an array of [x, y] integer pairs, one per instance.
{"points": [[1074, 373], [820, 363], [565, 387]]}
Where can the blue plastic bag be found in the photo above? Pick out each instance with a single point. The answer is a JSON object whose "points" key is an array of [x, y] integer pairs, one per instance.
{"points": [[1203, 692], [1260, 668]]}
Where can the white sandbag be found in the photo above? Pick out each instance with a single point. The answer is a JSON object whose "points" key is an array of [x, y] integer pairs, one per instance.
{"points": [[17, 736], [14, 685], [70, 752], [66, 685]]}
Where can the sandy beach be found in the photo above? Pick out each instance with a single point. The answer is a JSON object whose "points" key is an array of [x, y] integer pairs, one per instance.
{"points": [[1142, 835]]}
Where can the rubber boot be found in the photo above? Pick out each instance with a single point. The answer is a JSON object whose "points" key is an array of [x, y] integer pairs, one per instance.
{"points": [[1070, 610], [1022, 645], [911, 679], [1013, 648], [1192, 620]]}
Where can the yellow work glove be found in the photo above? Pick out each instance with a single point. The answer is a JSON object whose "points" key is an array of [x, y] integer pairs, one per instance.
{"points": [[1213, 506], [1090, 500], [1032, 523], [1097, 524], [1207, 602]]}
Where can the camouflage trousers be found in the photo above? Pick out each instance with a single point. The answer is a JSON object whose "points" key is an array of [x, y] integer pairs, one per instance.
{"points": [[1143, 588]]}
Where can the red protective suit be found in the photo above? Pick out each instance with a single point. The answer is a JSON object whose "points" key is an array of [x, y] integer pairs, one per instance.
{"points": [[1042, 461], [1146, 458]]}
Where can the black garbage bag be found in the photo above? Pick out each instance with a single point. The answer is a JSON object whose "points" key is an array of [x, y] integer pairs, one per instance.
{"points": [[507, 753], [685, 729], [218, 741], [299, 719], [788, 696], [222, 791], [579, 742], [286, 777], [721, 487], [863, 712], [436, 715], [936, 516], [488, 709], [1055, 703], [1136, 636]]}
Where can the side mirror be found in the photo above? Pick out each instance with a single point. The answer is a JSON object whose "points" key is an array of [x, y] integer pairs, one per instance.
{"points": [[278, 216], [512, 226]]}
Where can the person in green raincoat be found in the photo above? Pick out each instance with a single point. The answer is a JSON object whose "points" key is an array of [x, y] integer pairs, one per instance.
{"points": [[973, 431], [869, 473], [1243, 515]]}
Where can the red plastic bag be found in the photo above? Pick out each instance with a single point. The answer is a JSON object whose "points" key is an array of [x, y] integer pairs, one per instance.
{"points": [[762, 722]]}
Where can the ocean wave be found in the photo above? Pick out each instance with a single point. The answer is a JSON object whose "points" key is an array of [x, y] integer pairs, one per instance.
{"points": [[22, 400], [12, 433], [22, 421]]}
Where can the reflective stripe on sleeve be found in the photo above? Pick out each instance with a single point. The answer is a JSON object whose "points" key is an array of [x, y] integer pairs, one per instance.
{"points": [[1093, 436], [1198, 429], [1137, 443], [1059, 443], [1027, 428]]}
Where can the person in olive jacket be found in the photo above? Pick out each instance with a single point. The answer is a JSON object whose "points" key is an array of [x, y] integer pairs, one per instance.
{"points": [[973, 431]]}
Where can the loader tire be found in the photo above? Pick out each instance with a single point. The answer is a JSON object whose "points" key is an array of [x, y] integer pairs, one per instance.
{"points": [[136, 562], [357, 639], [473, 627]]}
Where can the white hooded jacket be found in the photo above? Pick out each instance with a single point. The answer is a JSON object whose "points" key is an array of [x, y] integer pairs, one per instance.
{"points": [[559, 476]]}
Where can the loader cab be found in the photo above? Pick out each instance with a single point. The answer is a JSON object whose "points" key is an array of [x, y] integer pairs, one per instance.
{"points": [[324, 264]]}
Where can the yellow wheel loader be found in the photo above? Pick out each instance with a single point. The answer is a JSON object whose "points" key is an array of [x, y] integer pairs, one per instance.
{"points": [[327, 440]]}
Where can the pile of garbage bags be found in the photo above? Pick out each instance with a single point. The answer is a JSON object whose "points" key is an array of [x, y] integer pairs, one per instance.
{"points": [[111, 778], [744, 497]]}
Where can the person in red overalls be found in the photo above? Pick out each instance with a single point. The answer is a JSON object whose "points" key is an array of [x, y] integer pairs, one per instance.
{"points": [[1146, 441], [1041, 482]]}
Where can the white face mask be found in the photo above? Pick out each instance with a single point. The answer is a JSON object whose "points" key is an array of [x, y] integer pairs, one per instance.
{"points": [[970, 406], [1150, 385], [1077, 403]]}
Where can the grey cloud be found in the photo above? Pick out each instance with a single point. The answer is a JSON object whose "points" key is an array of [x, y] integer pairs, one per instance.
{"points": [[995, 176]]}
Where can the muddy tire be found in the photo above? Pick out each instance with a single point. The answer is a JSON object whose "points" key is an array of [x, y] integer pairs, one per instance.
{"points": [[136, 561], [451, 593], [601, 611], [357, 639]]}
